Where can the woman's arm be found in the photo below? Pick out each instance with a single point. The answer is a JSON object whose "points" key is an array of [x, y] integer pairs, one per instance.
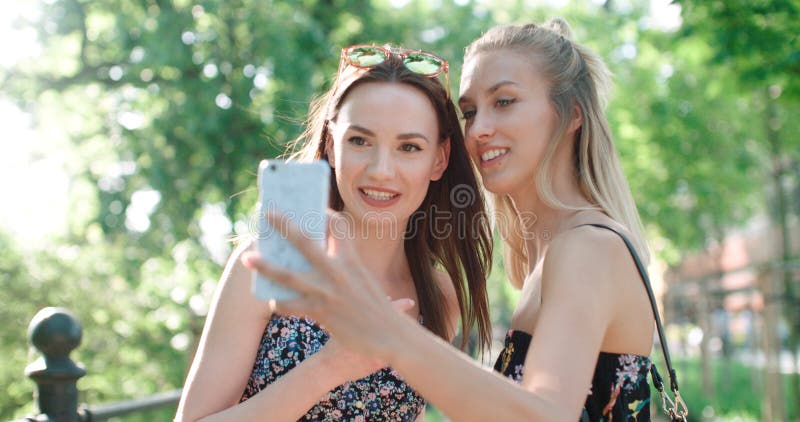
{"points": [[226, 355], [292, 395], [227, 347], [563, 353], [580, 288]]}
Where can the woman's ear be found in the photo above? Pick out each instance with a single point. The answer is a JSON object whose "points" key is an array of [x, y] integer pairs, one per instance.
{"points": [[329, 151], [442, 159], [577, 118]]}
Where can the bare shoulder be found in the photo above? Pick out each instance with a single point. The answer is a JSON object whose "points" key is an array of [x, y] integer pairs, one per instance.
{"points": [[234, 289], [586, 259], [241, 246], [588, 247], [235, 271], [446, 285]]}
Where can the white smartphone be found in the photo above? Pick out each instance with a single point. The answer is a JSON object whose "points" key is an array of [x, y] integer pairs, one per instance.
{"points": [[298, 190]]}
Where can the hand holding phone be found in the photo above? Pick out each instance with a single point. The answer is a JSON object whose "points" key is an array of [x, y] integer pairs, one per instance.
{"points": [[299, 191]]}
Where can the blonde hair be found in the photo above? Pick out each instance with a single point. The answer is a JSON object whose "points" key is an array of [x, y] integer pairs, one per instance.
{"points": [[577, 77]]}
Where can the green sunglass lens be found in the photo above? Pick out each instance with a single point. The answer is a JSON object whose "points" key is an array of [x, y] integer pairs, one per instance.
{"points": [[423, 64], [366, 56]]}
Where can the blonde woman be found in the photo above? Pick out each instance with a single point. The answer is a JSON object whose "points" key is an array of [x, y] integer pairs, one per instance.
{"points": [[532, 100]]}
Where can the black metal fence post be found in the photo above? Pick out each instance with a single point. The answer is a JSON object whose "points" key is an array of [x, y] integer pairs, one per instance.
{"points": [[55, 332]]}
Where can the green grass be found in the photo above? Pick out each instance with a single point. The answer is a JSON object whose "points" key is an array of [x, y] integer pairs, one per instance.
{"points": [[735, 396]]}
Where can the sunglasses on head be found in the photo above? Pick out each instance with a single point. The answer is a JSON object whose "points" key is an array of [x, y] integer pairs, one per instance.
{"points": [[366, 56]]}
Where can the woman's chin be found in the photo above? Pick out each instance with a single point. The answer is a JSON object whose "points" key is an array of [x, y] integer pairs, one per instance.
{"points": [[387, 223], [497, 185]]}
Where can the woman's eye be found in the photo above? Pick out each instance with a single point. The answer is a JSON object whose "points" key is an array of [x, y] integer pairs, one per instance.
{"points": [[357, 140], [502, 102], [468, 114], [410, 148]]}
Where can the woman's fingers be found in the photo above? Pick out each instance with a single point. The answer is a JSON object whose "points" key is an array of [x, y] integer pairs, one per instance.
{"points": [[403, 304], [283, 276]]}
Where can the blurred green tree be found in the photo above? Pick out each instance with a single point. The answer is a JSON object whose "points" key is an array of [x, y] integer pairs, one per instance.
{"points": [[172, 104], [758, 43]]}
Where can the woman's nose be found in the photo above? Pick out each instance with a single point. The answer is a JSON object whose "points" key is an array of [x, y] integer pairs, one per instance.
{"points": [[481, 128], [381, 165]]}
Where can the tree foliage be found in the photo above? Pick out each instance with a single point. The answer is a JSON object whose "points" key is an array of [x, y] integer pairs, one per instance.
{"points": [[170, 104]]}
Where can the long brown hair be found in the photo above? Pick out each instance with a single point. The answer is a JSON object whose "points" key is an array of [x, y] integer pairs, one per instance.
{"points": [[465, 250], [576, 76]]}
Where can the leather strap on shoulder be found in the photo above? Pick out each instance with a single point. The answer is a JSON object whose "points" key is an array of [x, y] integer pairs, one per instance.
{"points": [[673, 378]]}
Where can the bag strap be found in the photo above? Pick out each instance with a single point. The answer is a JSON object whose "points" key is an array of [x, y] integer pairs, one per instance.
{"points": [[676, 409]]}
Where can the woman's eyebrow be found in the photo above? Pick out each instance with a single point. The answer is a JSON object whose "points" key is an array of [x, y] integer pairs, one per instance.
{"points": [[491, 90], [402, 136], [412, 135], [362, 129]]}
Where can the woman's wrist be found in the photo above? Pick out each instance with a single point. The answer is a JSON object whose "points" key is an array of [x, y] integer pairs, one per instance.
{"points": [[330, 373], [398, 336]]}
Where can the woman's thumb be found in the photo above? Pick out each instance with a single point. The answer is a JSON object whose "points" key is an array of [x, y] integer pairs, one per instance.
{"points": [[403, 304]]}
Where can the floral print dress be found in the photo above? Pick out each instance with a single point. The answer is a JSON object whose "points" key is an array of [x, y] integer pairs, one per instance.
{"points": [[619, 390], [380, 396]]}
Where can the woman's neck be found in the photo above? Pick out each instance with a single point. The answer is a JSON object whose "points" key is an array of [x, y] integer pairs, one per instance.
{"points": [[382, 250], [541, 222]]}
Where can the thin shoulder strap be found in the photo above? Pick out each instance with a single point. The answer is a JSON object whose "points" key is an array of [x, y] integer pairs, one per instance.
{"points": [[673, 378]]}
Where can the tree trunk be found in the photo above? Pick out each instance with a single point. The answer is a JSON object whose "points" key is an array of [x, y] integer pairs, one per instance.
{"points": [[780, 216], [704, 320], [773, 407]]}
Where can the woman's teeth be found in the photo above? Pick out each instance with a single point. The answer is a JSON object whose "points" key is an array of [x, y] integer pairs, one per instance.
{"points": [[488, 155], [378, 195]]}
